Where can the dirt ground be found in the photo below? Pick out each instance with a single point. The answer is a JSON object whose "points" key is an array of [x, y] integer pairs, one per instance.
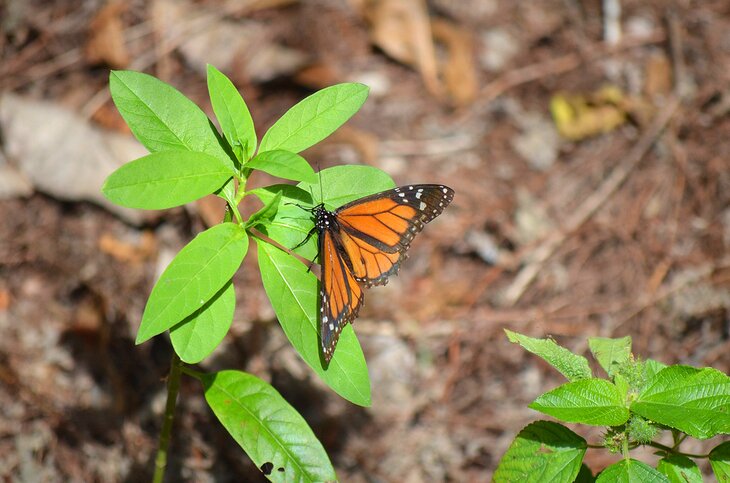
{"points": [[611, 218]]}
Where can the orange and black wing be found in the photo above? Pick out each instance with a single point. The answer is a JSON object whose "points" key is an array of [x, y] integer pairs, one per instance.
{"points": [[340, 294], [376, 231]]}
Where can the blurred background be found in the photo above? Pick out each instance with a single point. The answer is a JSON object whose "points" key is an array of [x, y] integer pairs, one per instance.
{"points": [[589, 146]]}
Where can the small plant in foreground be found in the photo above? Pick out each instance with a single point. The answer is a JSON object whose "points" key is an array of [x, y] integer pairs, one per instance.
{"points": [[194, 298], [639, 401]]}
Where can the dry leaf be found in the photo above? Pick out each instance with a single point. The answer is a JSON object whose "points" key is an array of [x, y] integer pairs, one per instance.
{"points": [[4, 299], [579, 117], [105, 44], [366, 143], [68, 158], [658, 80], [243, 49], [402, 29], [128, 252], [459, 71]]}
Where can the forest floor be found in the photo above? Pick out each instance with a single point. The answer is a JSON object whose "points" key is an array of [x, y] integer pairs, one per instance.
{"points": [[612, 221]]}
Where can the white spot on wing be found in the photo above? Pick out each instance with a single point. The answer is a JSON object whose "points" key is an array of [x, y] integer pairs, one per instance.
{"points": [[422, 205]]}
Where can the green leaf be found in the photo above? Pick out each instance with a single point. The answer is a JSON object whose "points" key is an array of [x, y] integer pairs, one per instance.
{"points": [[589, 401], [610, 353], [162, 118], [292, 290], [231, 112], [199, 334], [165, 179], [269, 429], [542, 451], [283, 164], [652, 368], [695, 401], [679, 469], [265, 214], [572, 366], [292, 223], [340, 185], [631, 471], [720, 462], [193, 277], [315, 118], [585, 475]]}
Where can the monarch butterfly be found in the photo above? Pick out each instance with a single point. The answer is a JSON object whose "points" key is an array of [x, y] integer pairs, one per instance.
{"points": [[364, 242]]}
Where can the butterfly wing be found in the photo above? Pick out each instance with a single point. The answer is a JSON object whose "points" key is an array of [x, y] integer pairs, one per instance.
{"points": [[376, 231], [340, 294]]}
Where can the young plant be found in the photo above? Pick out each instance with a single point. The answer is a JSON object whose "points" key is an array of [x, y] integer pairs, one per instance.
{"points": [[639, 401], [194, 298]]}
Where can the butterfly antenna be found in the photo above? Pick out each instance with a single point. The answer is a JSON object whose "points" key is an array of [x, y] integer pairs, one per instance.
{"points": [[321, 190]]}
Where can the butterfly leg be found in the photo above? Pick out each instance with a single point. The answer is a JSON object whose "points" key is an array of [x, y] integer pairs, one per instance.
{"points": [[306, 239]]}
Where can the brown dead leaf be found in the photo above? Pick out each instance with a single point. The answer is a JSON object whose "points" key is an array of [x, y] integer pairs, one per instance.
{"points": [[402, 29], [127, 252], [246, 50], [366, 143], [459, 71], [4, 299], [658, 80], [105, 44], [319, 76]]}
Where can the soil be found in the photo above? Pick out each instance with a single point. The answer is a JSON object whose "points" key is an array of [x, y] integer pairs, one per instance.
{"points": [[621, 229]]}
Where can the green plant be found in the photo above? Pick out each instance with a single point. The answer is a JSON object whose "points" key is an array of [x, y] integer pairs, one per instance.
{"points": [[194, 298], [638, 401]]}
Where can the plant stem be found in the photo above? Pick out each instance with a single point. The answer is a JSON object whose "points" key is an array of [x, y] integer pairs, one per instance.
{"points": [[625, 447], [173, 387], [674, 451]]}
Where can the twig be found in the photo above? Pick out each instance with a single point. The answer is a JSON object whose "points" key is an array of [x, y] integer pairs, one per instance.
{"points": [[559, 65], [428, 147], [612, 21], [592, 204], [677, 285]]}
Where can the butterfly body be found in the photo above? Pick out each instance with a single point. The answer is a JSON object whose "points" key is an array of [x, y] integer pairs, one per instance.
{"points": [[364, 243]]}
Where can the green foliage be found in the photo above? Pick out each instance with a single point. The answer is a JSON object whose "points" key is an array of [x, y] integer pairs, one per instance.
{"points": [[197, 273], [641, 430], [199, 334], [284, 164], [640, 400], [610, 353], [273, 434], [292, 290], [572, 366], [694, 401], [162, 118], [543, 451], [165, 180], [195, 297], [232, 114], [590, 401], [314, 118], [630, 471], [720, 461], [679, 469]]}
